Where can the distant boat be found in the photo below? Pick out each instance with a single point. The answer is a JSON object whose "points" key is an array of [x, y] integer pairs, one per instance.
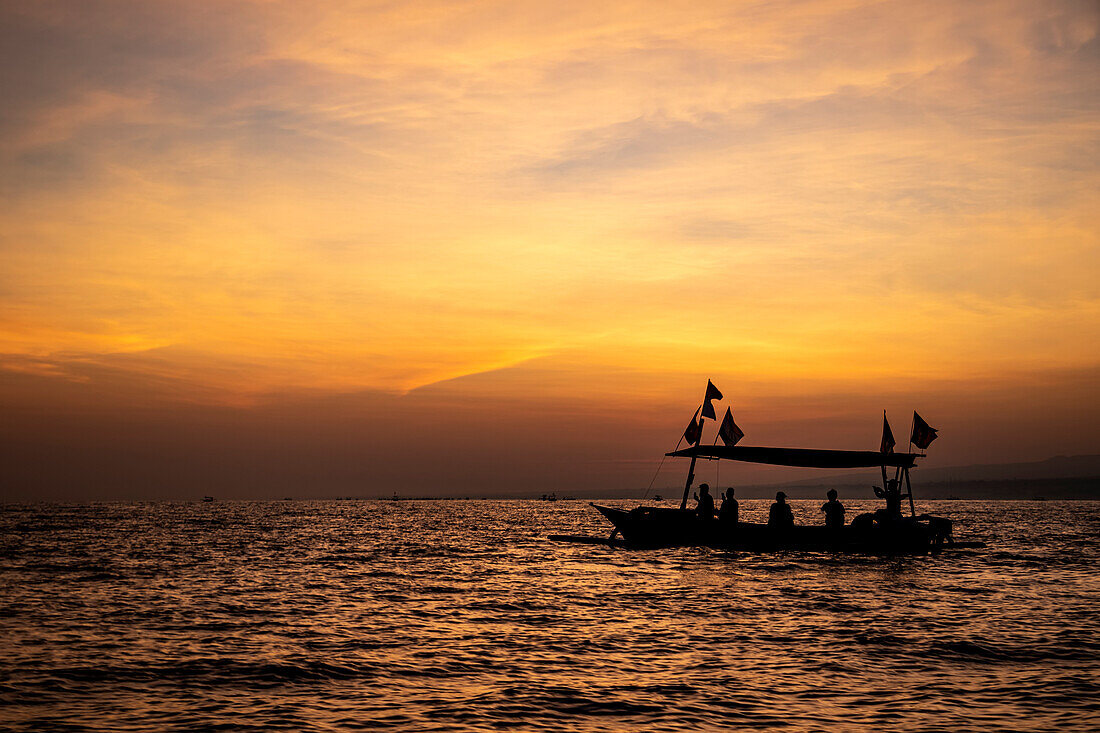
{"points": [[208, 498], [653, 526], [395, 497], [549, 497]]}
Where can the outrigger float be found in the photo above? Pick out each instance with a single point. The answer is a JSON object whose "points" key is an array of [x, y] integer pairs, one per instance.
{"points": [[882, 532]]}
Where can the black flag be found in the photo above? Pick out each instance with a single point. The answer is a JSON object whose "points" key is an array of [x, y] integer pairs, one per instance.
{"points": [[729, 432], [887, 445], [923, 433], [694, 430], [712, 394]]}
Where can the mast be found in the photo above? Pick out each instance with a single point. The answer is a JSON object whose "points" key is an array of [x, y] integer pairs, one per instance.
{"points": [[909, 486], [909, 489], [687, 484], [711, 393], [691, 467]]}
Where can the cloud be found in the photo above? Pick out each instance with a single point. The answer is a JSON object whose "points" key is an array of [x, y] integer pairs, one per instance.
{"points": [[624, 147]]}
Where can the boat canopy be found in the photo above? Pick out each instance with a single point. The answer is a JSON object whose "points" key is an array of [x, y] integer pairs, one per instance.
{"points": [[803, 457]]}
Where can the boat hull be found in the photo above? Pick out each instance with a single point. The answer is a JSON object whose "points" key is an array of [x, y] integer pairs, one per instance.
{"points": [[663, 527]]}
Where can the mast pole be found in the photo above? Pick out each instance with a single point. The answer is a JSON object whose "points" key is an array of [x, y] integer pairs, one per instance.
{"points": [[909, 488], [717, 468], [908, 485], [910, 449], [885, 481], [698, 440], [898, 471], [687, 485]]}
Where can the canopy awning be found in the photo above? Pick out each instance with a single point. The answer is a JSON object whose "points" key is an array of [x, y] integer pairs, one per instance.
{"points": [[804, 457]]}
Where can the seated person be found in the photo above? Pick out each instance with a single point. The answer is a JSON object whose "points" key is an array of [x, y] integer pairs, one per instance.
{"points": [[892, 495], [834, 511], [728, 512], [780, 514], [705, 508]]}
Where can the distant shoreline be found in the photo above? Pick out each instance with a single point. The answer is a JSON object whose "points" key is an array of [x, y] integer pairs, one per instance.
{"points": [[628, 497], [1047, 489]]}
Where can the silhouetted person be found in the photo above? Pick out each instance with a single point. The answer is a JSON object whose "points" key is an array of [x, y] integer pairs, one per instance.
{"points": [[705, 508], [729, 511], [780, 515], [892, 495], [834, 511]]}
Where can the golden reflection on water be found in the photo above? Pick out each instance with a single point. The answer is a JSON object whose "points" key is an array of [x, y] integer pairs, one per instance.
{"points": [[459, 615]]}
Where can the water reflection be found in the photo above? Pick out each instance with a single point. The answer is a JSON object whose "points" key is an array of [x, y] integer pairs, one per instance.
{"points": [[451, 615]]}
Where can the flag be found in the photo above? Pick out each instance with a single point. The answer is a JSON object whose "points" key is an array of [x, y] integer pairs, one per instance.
{"points": [[712, 394], [923, 433], [729, 432], [694, 430], [887, 445]]}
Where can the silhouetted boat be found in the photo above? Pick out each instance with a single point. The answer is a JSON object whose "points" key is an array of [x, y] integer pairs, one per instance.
{"points": [[652, 526], [208, 498], [662, 527]]}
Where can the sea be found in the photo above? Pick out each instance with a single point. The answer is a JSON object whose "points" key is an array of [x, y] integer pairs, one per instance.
{"points": [[454, 615]]}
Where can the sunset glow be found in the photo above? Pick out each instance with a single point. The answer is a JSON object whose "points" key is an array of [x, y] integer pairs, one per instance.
{"points": [[440, 221]]}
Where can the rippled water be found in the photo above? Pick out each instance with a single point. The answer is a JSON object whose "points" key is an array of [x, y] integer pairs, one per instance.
{"points": [[458, 615]]}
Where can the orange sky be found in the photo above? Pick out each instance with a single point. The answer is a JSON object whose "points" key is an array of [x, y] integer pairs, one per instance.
{"points": [[247, 225]]}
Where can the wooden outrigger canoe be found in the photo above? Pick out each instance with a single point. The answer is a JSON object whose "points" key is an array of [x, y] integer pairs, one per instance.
{"points": [[651, 527], [880, 532], [884, 531]]}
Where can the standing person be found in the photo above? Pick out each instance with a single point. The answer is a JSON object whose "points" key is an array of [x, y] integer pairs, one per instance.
{"points": [[729, 511], [780, 515], [705, 508], [834, 511]]}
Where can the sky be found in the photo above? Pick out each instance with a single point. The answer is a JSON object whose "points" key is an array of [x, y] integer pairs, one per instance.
{"points": [[259, 249]]}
